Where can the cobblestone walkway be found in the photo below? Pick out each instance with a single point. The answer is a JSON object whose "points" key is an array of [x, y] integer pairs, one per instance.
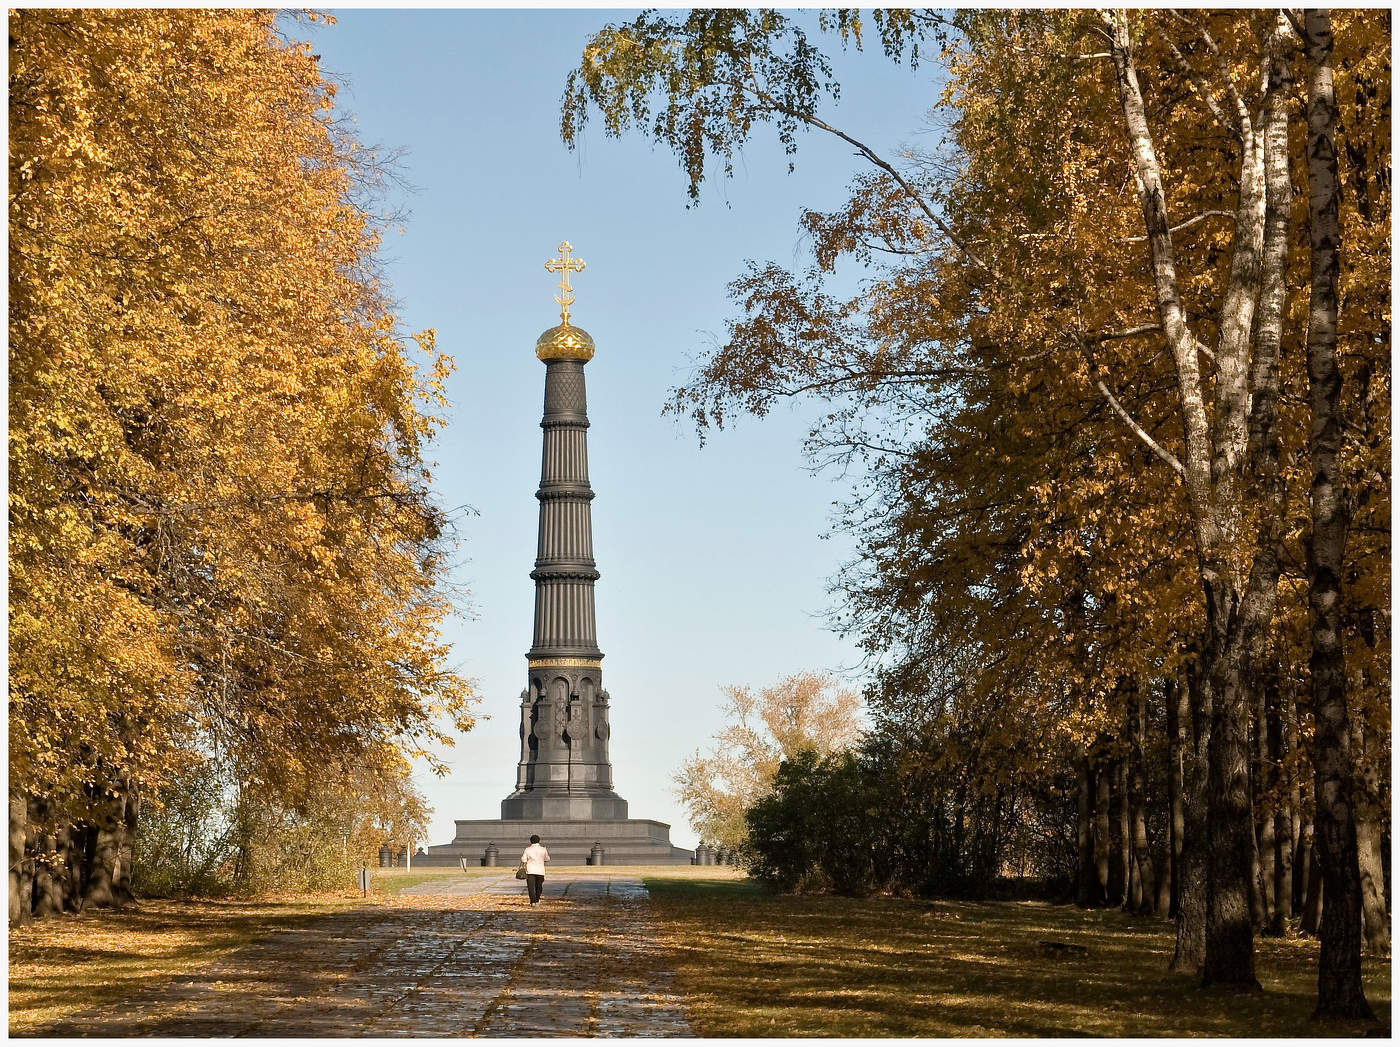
{"points": [[465, 959]]}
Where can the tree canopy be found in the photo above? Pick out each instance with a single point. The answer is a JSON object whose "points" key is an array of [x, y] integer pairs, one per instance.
{"points": [[222, 540], [1075, 376]]}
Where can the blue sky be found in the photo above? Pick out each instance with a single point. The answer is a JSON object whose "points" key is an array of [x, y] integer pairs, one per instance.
{"points": [[712, 559]]}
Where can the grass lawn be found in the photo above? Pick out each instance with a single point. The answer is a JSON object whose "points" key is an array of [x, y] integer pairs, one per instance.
{"points": [[391, 881], [756, 964], [66, 964]]}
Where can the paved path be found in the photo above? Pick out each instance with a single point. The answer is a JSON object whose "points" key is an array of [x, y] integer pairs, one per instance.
{"points": [[469, 958]]}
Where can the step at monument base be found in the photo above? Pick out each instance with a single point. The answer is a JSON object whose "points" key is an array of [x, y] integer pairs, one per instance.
{"points": [[632, 841]]}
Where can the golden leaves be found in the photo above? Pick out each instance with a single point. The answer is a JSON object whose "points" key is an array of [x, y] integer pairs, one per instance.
{"points": [[218, 504]]}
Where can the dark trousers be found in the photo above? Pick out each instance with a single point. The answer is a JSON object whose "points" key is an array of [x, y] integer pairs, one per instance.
{"points": [[535, 884]]}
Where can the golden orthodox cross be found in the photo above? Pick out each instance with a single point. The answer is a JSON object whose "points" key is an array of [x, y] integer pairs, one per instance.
{"points": [[565, 265]]}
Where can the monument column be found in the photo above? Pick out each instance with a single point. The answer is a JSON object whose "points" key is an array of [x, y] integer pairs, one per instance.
{"points": [[564, 771]]}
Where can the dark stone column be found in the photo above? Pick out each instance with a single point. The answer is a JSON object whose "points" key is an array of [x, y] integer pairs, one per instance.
{"points": [[564, 769]]}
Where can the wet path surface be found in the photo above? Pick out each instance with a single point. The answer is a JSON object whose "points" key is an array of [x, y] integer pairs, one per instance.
{"points": [[460, 958]]}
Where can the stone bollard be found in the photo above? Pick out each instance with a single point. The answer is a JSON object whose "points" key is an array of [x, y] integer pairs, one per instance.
{"points": [[384, 857], [595, 856], [492, 854]]}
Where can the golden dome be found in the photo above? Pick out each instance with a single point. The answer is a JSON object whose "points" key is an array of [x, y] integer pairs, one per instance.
{"points": [[565, 342]]}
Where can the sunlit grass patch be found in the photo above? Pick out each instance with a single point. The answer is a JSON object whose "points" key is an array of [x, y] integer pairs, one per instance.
{"points": [[755, 963], [392, 881]]}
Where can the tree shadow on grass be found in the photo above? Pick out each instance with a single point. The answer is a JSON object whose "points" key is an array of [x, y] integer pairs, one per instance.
{"points": [[769, 965]]}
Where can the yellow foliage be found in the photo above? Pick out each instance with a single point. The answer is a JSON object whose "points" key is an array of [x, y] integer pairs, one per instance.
{"points": [[220, 531], [804, 711]]}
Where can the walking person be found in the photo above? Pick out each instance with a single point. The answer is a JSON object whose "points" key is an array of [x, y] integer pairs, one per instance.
{"points": [[533, 859]]}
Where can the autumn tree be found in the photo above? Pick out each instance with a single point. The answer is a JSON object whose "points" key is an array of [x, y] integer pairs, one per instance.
{"points": [[804, 712], [1129, 359], [222, 543]]}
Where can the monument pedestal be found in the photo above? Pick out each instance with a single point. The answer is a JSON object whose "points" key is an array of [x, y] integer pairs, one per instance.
{"points": [[631, 841], [607, 807]]}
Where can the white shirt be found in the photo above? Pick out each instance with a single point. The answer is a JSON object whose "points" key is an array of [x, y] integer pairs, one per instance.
{"points": [[534, 858]]}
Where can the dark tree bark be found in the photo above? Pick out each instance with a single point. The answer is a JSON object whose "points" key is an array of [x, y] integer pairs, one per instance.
{"points": [[1264, 806], [1178, 715], [1278, 852], [1312, 898], [1101, 832], [1303, 868], [1229, 958], [1340, 993], [1121, 871], [99, 888], [1163, 903], [48, 896], [63, 866], [1144, 895], [1258, 893], [121, 884], [21, 883], [1087, 893], [1190, 952], [1376, 920]]}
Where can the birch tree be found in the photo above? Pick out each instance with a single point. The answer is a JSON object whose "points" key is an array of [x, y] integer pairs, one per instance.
{"points": [[1108, 244]]}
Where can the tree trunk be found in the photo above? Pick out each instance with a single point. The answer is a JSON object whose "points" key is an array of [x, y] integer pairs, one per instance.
{"points": [[1258, 889], [1101, 839], [1229, 930], [1178, 714], [63, 866], [1219, 488], [1190, 952], [1145, 893], [1121, 874], [1376, 921], [1163, 904], [48, 897], [20, 884], [1264, 802], [1086, 895], [1279, 851], [1303, 873], [1312, 899], [121, 885], [1375, 918], [99, 889], [1340, 993]]}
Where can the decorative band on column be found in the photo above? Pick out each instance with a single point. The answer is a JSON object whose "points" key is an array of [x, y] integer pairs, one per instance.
{"points": [[565, 663]]}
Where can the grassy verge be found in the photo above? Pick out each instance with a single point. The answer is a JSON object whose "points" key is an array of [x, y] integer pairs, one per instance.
{"points": [[391, 881], [753, 963], [62, 965], [65, 964]]}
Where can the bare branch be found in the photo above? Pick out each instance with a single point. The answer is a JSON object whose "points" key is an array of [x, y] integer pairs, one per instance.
{"points": [[812, 120], [1188, 224], [1241, 110], [1085, 343], [1202, 89]]}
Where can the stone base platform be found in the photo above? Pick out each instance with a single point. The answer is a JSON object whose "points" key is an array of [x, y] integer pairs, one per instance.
{"points": [[631, 841]]}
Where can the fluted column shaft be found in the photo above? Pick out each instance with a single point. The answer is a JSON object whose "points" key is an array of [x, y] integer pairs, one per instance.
{"points": [[564, 769], [564, 572]]}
